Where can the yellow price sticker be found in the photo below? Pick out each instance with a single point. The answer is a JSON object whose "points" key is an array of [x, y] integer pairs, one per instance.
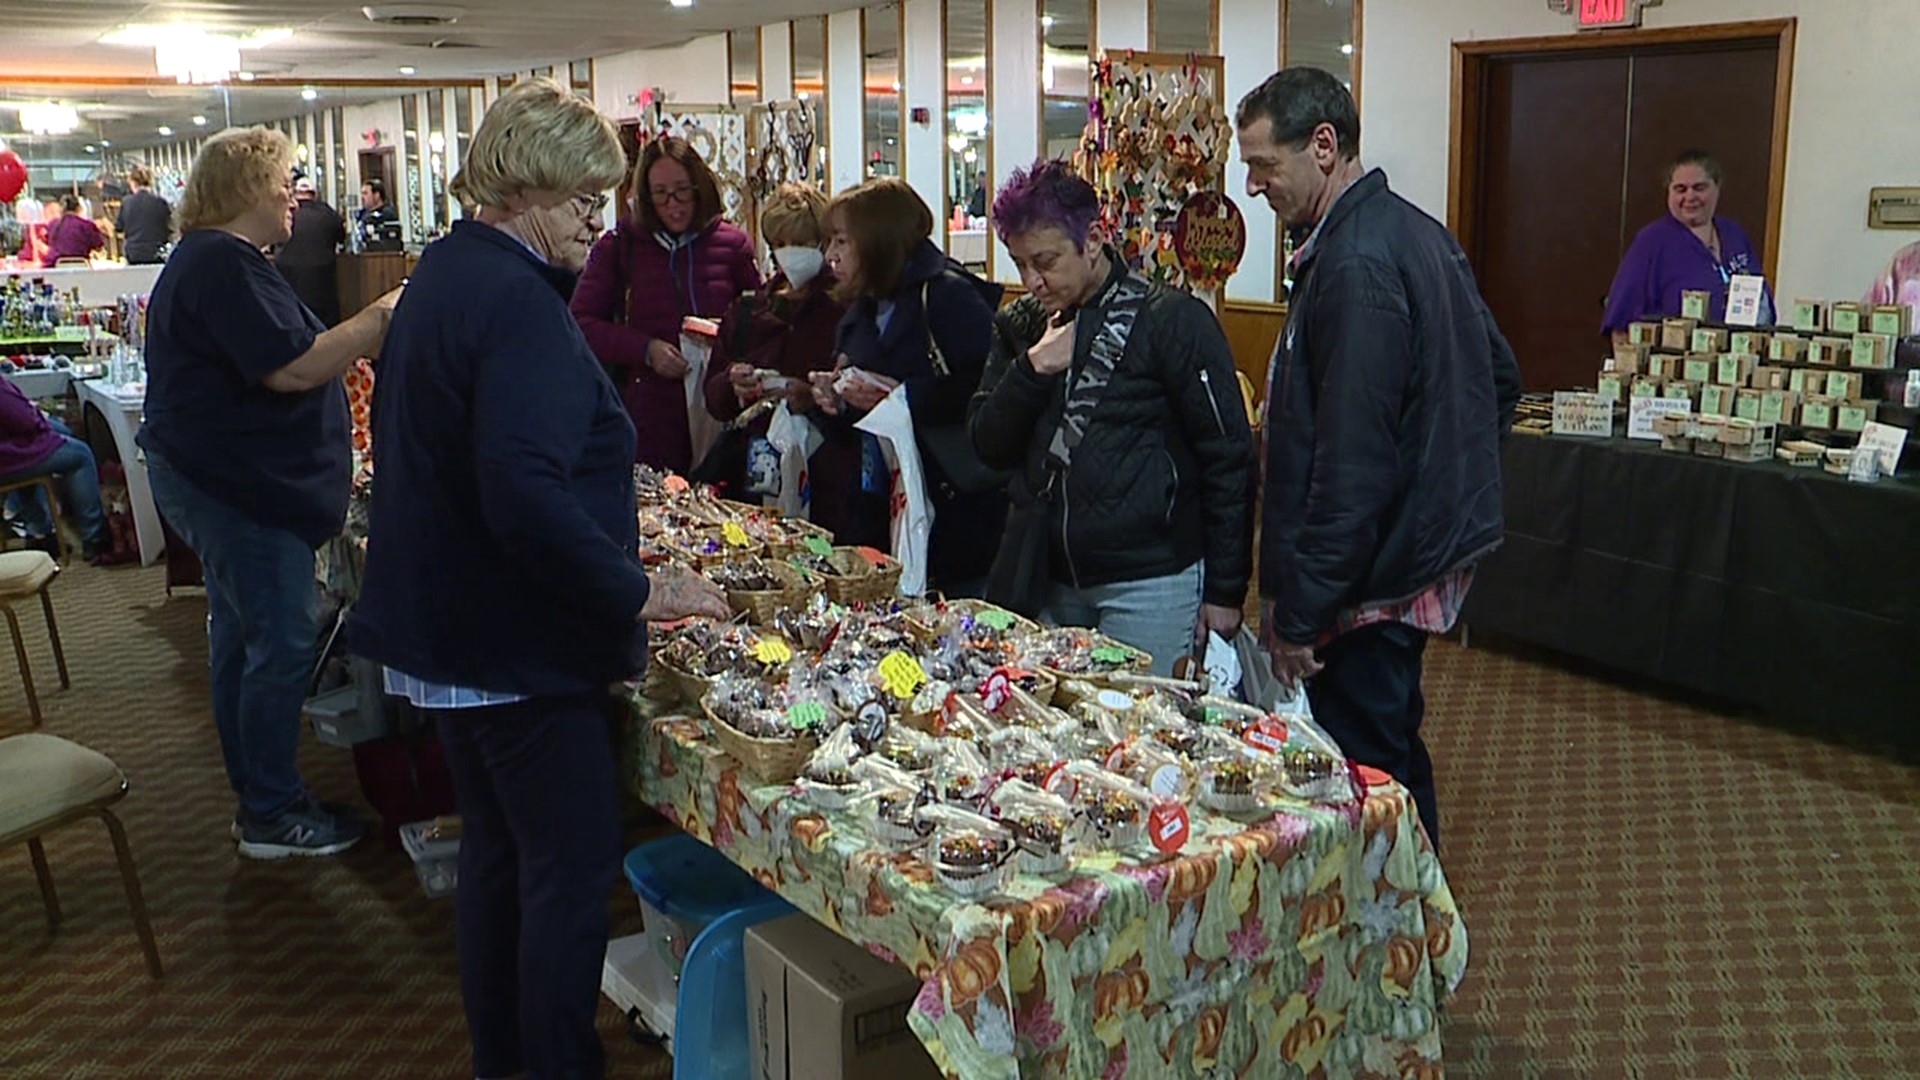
{"points": [[772, 651], [734, 535], [902, 674]]}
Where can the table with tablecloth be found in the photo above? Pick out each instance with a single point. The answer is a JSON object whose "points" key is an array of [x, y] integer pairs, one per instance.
{"points": [[1320, 942]]}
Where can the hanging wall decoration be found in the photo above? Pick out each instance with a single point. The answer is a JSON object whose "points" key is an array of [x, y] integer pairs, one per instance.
{"points": [[718, 133], [1157, 135]]}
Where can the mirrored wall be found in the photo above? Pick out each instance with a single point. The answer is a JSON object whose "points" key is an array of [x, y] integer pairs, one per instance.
{"points": [[810, 75], [1066, 36], [967, 176], [881, 78]]}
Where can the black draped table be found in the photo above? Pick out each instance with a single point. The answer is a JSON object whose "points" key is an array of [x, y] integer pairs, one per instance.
{"points": [[1789, 589]]}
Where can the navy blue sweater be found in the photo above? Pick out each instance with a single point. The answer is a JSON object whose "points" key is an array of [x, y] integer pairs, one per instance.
{"points": [[503, 549]]}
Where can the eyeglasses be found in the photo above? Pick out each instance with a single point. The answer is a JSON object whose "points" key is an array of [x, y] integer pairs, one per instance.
{"points": [[590, 204], [681, 195]]}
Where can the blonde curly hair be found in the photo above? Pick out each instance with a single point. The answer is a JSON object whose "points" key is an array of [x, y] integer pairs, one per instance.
{"points": [[795, 216], [233, 172], [539, 136]]}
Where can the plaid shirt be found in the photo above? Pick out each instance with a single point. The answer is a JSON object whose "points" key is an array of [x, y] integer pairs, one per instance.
{"points": [[1433, 609]]}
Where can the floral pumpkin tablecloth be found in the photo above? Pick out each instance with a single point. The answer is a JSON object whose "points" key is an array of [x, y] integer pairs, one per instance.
{"points": [[1318, 943]]}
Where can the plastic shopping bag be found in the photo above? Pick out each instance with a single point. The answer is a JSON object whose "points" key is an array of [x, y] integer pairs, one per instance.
{"points": [[796, 439], [696, 346], [1258, 685], [892, 424]]}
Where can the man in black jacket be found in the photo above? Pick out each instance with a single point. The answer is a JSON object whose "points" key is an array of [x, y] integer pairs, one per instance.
{"points": [[1116, 401], [309, 258], [1388, 395]]}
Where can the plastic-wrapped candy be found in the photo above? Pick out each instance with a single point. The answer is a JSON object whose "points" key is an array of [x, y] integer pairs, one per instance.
{"points": [[828, 777], [1025, 754], [811, 626], [896, 798], [961, 774], [1041, 823], [746, 575], [912, 751], [1315, 777], [1110, 811], [1080, 652], [709, 649], [1235, 778], [763, 710], [1153, 766], [971, 854]]}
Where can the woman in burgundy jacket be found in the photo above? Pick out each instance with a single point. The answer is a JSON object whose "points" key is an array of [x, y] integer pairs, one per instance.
{"points": [[672, 257]]}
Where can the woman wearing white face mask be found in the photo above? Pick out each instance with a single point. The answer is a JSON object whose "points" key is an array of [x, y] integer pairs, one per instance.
{"points": [[773, 337]]}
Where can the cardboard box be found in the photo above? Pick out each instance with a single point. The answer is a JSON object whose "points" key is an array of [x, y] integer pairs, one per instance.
{"points": [[1694, 303], [1707, 339], [1629, 359], [1706, 436], [1779, 407], [1845, 384], [1612, 387], [1746, 404], [1663, 365], [1677, 334], [1844, 318], [1893, 319], [1750, 342], [1745, 440], [1717, 400], [1817, 413], [1733, 369], [822, 1008], [1809, 316], [1806, 381], [1873, 350], [1697, 368], [1770, 378], [1647, 386], [1644, 334], [1854, 415], [1786, 348], [1830, 351], [1683, 391]]}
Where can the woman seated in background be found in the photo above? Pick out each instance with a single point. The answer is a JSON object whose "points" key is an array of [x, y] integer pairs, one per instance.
{"points": [[72, 235], [1899, 283], [503, 589], [919, 318], [32, 445], [1690, 249], [672, 256], [784, 331]]}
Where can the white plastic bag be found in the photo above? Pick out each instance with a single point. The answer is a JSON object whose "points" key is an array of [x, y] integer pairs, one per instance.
{"points": [[892, 423], [796, 439], [1258, 684], [702, 428]]}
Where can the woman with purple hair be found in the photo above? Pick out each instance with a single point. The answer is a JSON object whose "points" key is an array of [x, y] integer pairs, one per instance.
{"points": [[1115, 400]]}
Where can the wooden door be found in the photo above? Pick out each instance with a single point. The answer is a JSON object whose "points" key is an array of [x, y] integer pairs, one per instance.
{"points": [[1549, 198]]}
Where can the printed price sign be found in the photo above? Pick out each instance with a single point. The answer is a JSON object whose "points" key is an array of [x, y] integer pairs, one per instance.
{"points": [[806, 715], [1582, 414], [1644, 410], [1269, 735], [1168, 827]]}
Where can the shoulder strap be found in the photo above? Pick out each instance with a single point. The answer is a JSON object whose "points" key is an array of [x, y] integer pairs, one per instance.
{"points": [[1119, 312]]}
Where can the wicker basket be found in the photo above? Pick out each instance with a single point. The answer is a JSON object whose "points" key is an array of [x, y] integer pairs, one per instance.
{"points": [[761, 606], [799, 530], [772, 760], [700, 560], [860, 581], [1021, 624], [1141, 663], [680, 682]]}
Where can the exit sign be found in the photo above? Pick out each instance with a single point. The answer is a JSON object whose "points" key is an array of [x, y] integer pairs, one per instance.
{"points": [[1603, 14]]}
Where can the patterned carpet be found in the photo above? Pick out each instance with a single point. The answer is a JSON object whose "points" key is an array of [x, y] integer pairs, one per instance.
{"points": [[1654, 889]]}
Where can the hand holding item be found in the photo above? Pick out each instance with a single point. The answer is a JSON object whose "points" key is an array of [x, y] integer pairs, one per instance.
{"points": [[664, 358], [863, 389], [1291, 663], [824, 395], [1218, 619], [1053, 353], [678, 593], [746, 383]]}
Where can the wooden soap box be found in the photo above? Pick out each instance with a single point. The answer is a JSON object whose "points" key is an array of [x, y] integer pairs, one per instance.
{"points": [[1677, 334]]}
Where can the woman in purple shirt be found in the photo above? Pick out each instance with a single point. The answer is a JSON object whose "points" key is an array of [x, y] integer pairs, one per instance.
{"points": [[72, 235], [1689, 249]]}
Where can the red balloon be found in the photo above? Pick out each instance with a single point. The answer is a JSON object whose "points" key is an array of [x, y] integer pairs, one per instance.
{"points": [[13, 176]]}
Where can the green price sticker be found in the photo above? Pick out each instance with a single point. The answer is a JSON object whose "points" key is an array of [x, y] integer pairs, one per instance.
{"points": [[818, 545], [1111, 654], [806, 715], [994, 619]]}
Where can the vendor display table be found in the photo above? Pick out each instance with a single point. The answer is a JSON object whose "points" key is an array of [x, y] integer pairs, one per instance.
{"points": [[1319, 942], [123, 413], [1789, 589], [41, 383], [99, 285]]}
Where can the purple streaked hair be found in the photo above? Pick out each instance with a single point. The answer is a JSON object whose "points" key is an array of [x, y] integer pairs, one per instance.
{"points": [[1049, 194]]}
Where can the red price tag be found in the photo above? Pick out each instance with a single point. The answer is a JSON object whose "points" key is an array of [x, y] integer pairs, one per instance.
{"points": [[873, 555], [947, 710], [1269, 735], [1373, 777], [1167, 827], [996, 691], [1116, 757]]}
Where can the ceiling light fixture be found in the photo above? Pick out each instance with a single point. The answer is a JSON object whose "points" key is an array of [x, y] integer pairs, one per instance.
{"points": [[681, 3], [406, 69], [106, 142], [1046, 22], [199, 121], [90, 148], [50, 118], [193, 54], [164, 130], [957, 143], [1346, 49], [308, 93], [245, 76], [966, 80]]}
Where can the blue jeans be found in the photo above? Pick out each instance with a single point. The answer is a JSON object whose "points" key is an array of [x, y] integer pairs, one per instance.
{"points": [[539, 853], [1154, 614], [73, 464], [261, 634]]}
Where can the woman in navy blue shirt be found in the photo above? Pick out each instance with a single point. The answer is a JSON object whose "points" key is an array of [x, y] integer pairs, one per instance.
{"points": [[248, 449], [503, 588]]}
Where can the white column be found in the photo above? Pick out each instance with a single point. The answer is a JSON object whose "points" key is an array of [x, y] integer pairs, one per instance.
{"points": [[1013, 101], [1250, 41], [1121, 24], [924, 86], [423, 120], [846, 100], [776, 62]]}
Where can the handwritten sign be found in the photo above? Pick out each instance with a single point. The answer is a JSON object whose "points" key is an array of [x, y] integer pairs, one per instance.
{"points": [[1642, 412], [1582, 414], [1885, 441], [1209, 236], [902, 674], [772, 651], [1746, 296]]}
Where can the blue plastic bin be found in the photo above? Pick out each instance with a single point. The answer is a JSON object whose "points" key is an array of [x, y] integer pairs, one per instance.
{"points": [[691, 885]]}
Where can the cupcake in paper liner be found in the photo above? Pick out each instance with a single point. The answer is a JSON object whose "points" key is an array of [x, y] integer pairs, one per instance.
{"points": [[896, 798], [971, 854], [1235, 778], [1110, 812], [1153, 766], [1041, 824], [827, 778], [1025, 754], [961, 774]]}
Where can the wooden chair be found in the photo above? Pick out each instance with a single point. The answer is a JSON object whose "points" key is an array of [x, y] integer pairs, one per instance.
{"points": [[47, 782], [45, 483], [23, 575]]}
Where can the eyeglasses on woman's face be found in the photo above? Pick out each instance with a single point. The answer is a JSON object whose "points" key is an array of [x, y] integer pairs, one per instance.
{"points": [[684, 195], [590, 204]]}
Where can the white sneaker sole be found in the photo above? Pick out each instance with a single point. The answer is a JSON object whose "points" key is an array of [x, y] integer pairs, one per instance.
{"points": [[267, 852]]}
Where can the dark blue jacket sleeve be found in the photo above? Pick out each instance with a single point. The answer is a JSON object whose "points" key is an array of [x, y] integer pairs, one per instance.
{"points": [[527, 434]]}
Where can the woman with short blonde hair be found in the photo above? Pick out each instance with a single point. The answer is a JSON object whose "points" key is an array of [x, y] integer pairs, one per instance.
{"points": [[249, 453], [503, 589]]}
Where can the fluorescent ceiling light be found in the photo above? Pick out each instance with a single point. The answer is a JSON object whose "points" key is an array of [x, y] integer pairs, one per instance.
{"points": [[164, 130], [152, 35], [246, 76], [309, 94], [1046, 22], [406, 69], [199, 121], [50, 118], [1346, 49], [681, 3]]}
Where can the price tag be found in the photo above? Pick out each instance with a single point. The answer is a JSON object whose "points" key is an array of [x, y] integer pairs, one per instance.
{"points": [[1269, 735], [996, 691], [734, 535], [1373, 777], [1113, 700], [677, 484], [1111, 654], [806, 715], [1168, 827], [994, 619], [874, 556], [772, 651], [1062, 784], [902, 675], [1165, 781], [818, 545]]}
